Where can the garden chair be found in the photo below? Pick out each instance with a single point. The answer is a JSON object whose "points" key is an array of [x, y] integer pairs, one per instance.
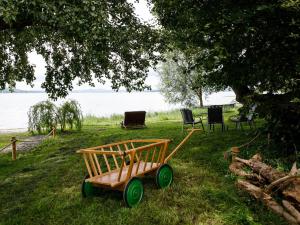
{"points": [[188, 118], [134, 119], [244, 118], [215, 116]]}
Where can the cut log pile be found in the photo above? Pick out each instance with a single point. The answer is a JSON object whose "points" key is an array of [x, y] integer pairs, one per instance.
{"points": [[279, 191]]}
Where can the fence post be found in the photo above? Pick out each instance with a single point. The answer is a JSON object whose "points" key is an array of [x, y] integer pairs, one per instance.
{"points": [[53, 132], [14, 148]]}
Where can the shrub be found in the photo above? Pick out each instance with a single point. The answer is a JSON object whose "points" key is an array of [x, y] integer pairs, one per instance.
{"points": [[70, 115], [42, 117], [283, 124]]}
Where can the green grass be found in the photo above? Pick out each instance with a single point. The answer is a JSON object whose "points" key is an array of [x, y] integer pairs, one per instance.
{"points": [[151, 117], [43, 186]]}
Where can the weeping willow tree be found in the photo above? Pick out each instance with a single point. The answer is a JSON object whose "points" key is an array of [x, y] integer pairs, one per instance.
{"points": [[42, 117], [70, 115]]}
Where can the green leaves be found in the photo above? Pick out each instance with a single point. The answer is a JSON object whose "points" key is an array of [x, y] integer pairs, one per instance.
{"points": [[43, 116], [254, 44], [86, 39], [69, 115], [251, 46], [181, 80]]}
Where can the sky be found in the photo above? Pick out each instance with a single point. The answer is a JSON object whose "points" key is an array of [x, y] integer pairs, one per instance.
{"points": [[142, 11]]}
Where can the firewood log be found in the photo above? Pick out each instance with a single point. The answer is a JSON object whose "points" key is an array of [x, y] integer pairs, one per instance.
{"points": [[267, 200], [292, 210]]}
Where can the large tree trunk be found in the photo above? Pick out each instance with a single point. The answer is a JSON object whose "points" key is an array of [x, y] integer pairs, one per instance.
{"points": [[241, 92], [199, 94]]}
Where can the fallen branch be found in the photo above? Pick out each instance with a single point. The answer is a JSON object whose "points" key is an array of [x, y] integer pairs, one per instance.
{"points": [[292, 210], [237, 169], [261, 168], [278, 182], [267, 200], [264, 179]]}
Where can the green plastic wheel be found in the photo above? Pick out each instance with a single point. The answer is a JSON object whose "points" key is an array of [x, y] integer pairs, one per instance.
{"points": [[87, 189], [133, 192], [164, 176]]}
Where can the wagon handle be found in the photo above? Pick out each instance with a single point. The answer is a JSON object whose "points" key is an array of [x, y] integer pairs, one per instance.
{"points": [[180, 144]]}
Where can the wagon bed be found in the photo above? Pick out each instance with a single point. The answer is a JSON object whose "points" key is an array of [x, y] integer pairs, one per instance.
{"points": [[111, 179]]}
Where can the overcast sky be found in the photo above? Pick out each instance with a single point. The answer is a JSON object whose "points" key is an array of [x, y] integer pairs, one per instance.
{"points": [[142, 11]]}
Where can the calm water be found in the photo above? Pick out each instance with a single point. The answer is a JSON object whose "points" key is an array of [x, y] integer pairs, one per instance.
{"points": [[14, 106]]}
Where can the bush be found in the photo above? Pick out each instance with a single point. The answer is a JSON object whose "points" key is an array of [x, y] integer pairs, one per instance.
{"points": [[283, 123], [70, 115], [42, 117]]}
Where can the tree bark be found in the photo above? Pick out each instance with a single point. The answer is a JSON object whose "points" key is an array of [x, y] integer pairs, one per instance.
{"points": [[200, 97], [241, 92], [267, 200], [199, 94], [263, 169], [292, 192], [237, 169]]}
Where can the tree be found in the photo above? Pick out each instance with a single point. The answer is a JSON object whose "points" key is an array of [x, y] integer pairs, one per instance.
{"points": [[42, 117], [180, 83], [78, 40], [251, 46], [69, 114]]}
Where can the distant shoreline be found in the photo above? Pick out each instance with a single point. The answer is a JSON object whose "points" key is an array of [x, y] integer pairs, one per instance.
{"points": [[18, 91], [13, 130]]}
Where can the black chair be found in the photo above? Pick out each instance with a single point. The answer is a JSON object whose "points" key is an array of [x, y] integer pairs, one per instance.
{"points": [[246, 118], [134, 119], [215, 116], [188, 118]]}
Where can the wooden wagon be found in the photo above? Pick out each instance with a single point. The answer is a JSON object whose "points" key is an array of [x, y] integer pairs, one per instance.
{"points": [[118, 166]]}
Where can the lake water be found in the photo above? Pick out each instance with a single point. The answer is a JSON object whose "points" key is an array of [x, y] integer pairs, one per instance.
{"points": [[14, 106]]}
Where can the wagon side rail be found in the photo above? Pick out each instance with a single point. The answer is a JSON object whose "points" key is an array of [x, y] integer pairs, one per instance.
{"points": [[92, 163], [141, 158], [147, 158], [124, 143]]}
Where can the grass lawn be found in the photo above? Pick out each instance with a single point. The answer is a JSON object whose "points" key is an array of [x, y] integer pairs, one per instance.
{"points": [[44, 186]]}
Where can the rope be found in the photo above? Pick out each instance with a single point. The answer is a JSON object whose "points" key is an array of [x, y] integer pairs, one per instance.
{"points": [[51, 132], [5, 147], [248, 143], [35, 141]]}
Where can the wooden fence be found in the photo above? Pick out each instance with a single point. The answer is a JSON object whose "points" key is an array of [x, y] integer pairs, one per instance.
{"points": [[14, 141]]}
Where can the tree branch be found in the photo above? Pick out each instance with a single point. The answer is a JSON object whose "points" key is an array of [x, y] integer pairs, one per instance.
{"points": [[17, 25]]}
